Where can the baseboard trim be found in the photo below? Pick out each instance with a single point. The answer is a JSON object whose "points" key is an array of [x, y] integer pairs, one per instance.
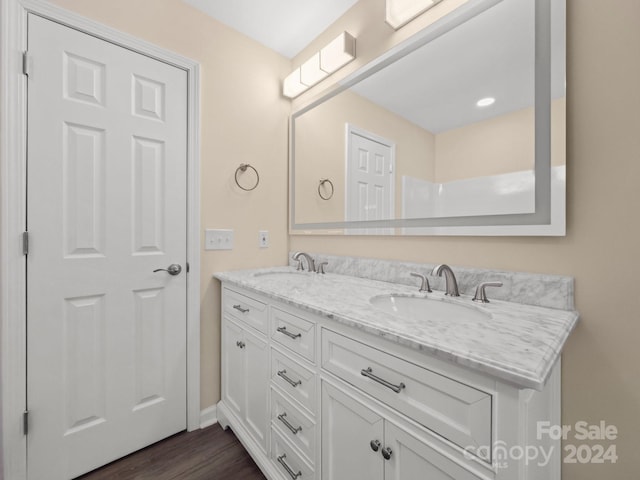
{"points": [[209, 416]]}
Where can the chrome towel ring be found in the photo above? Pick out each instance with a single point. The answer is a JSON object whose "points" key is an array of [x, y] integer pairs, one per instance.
{"points": [[243, 168], [322, 182]]}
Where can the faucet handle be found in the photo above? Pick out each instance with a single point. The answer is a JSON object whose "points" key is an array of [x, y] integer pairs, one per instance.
{"points": [[481, 295], [424, 284], [320, 267]]}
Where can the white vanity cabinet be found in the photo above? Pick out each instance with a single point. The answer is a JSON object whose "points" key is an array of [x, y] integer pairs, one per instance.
{"points": [[314, 399]]}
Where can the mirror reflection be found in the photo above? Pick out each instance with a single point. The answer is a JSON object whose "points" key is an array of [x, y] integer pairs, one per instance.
{"points": [[445, 131]]}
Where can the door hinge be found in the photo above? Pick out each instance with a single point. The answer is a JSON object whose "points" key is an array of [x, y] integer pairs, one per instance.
{"points": [[187, 267], [25, 422], [27, 64], [25, 243]]}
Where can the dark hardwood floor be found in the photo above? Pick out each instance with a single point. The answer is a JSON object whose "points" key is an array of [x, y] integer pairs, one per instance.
{"points": [[208, 454]]}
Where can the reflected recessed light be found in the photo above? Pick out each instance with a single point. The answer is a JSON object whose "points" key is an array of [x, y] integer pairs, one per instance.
{"points": [[485, 102]]}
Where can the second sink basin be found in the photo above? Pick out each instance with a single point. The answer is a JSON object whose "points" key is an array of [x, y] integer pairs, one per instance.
{"points": [[285, 275], [428, 308]]}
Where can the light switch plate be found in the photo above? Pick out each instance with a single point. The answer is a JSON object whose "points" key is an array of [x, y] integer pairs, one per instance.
{"points": [[263, 238], [218, 239]]}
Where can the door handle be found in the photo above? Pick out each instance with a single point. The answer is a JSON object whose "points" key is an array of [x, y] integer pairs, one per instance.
{"points": [[173, 269]]}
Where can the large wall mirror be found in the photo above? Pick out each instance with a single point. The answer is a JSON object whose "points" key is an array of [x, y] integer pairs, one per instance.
{"points": [[460, 130]]}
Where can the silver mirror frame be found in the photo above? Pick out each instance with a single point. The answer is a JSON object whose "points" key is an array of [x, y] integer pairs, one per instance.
{"points": [[544, 221]]}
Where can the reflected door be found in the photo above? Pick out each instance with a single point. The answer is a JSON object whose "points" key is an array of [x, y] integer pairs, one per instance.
{"points": [[370, 178], [106, 207]]}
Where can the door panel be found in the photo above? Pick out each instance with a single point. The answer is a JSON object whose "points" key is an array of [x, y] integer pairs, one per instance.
{"points": [[256, 380], [106, 206], [370, 179], [348, 427], [414, 460], [234, 364]]}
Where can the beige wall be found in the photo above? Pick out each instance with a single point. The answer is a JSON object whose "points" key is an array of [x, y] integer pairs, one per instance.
{"points": [[602, 246], [499, 145], [244, 120]]}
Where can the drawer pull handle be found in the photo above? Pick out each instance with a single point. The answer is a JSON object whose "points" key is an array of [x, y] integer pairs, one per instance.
{"points": [[375, 445], [291, 473], [283, 374], [293, 429], [369, 373], [288, 334], [240, 344], [386, 453], [240, 309]]}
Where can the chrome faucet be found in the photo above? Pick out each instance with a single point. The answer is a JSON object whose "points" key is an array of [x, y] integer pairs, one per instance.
{"points": [[310, 262], [449, 277]]}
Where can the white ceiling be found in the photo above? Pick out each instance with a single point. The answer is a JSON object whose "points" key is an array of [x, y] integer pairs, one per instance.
{"points": [[286, 26], [437, 85]]}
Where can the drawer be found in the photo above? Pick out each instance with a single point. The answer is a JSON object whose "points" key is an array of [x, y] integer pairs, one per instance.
{"points": [[294, 379], [287, 460], [293, 332], [458, 412], [250, 311], [294, 425]]}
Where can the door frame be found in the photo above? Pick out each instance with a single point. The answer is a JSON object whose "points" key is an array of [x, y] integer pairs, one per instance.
{"points": [[13, 211]]}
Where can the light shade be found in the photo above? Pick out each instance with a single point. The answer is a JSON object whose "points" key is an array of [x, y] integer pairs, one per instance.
{"points": [[338, 53], [310, 71], [401, 12], [334, 56], [292, 85]]}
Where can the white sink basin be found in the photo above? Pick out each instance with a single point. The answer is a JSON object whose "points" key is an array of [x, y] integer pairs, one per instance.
{"points": [[428, 308], [285, 275]]}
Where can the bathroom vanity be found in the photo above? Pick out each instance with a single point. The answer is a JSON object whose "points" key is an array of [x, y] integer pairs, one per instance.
{"points": [[337, 377]]}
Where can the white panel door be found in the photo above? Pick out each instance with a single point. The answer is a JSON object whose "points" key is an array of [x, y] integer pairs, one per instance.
{"points": [[412, 459], [352, 436], [106, 207], [256, 386], [370, 187], [233, 364]]}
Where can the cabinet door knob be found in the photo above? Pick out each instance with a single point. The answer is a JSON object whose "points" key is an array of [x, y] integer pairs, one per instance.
{"points": [[386, 453], [240, 344], [375, 445]]}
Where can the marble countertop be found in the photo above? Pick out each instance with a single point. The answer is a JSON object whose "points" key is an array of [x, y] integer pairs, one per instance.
{"points": [[517, 343]]}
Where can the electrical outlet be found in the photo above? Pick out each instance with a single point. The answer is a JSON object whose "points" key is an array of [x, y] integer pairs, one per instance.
{"points": [[218, 239], [263, 238]]}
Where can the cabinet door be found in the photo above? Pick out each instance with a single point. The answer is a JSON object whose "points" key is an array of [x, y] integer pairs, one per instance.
{"points": [[412, 459], [256, 387], [348, 428], [233, 376]]}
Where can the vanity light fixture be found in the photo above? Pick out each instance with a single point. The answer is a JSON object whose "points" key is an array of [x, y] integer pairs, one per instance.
{"points": [[485, 102], [328, 60], [401, 12]]}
